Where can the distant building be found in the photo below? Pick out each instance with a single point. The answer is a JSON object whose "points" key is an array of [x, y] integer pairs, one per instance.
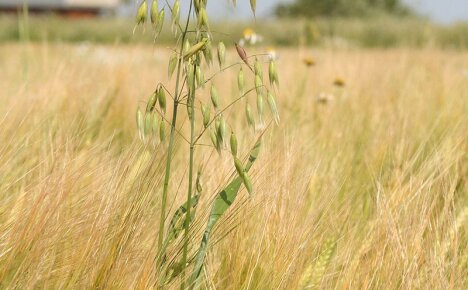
{"points": [[78, 8]]}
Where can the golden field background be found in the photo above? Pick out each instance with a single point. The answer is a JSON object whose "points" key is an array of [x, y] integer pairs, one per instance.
{"points": [[365, 191]]}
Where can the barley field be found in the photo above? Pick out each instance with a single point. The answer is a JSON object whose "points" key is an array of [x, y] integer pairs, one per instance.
{"points": [[362, 185]]}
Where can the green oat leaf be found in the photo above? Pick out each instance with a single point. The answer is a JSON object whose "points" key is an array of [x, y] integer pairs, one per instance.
{"points": [[221, 204]]}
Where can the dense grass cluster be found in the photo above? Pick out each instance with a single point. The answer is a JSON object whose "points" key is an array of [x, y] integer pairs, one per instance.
{"points": [[363, 187]]}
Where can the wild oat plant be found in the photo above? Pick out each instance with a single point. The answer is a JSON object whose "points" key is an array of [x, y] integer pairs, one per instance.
{"points": [[192, 58]]}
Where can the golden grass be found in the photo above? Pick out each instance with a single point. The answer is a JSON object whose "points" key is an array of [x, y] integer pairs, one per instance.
{"points": [[380, 168]]}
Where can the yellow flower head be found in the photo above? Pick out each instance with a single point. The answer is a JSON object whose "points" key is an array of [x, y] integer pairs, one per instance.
{"points": [[339, 82], [309, 61]]}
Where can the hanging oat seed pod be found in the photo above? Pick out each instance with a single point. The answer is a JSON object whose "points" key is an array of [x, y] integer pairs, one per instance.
{"points": [[242, 54], [233, 142], [154, 13], [260, 105], [253, 6], [241, 81], [155, 123], [258, 85], [141, 13], [206, 115], [249, 115], [247, 182], [214, 97], [151, 103], [222, 129], [162, 99], [148, 124], [200, 77], [160, 23], [202, 18], [176, 12], [221, 54], [162, 131], [258, 68], [172, 65], [273, 108], [214, 140], [273, 73], [208, 53], [239, 167], [190, 75]]}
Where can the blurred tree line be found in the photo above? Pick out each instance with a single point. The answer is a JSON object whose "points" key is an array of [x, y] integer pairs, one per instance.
{"points": [[313, 8]]}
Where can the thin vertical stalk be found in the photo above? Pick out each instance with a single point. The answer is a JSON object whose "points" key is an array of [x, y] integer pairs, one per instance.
{"points": [[170, 147], [190, 179]]}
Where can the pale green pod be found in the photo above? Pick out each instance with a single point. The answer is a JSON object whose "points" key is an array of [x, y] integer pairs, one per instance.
{"points": [[162, 131], [162, 99], [249, 115], [206, 115], [142, 12], [151, 103], [233, 143], [199, 76], [140, 124], [214, 140], [258, 68], [207, 53], [273, 73], [172, 65], [160, 23], [148, 124], [176, 12], [190, 111], [253, 6], [222, 128], [197, 4], [221, 54], [260, 105], [258, 85], [214, 97], [187, 46], [155, 123], [154, 12], [239, 167], [202, 18], [247, 182], [241, 81], [217, 124], [190, 76], [273, 107]]}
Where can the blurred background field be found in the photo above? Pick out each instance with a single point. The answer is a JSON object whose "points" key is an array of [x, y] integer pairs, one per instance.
{"points": [[382, 31]]}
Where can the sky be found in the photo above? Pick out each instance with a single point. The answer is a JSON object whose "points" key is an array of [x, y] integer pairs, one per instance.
{"points": [[441, 11]]}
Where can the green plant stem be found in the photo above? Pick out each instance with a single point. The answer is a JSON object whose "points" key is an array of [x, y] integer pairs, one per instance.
{"points": [[170, 147], [191, 102]]}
